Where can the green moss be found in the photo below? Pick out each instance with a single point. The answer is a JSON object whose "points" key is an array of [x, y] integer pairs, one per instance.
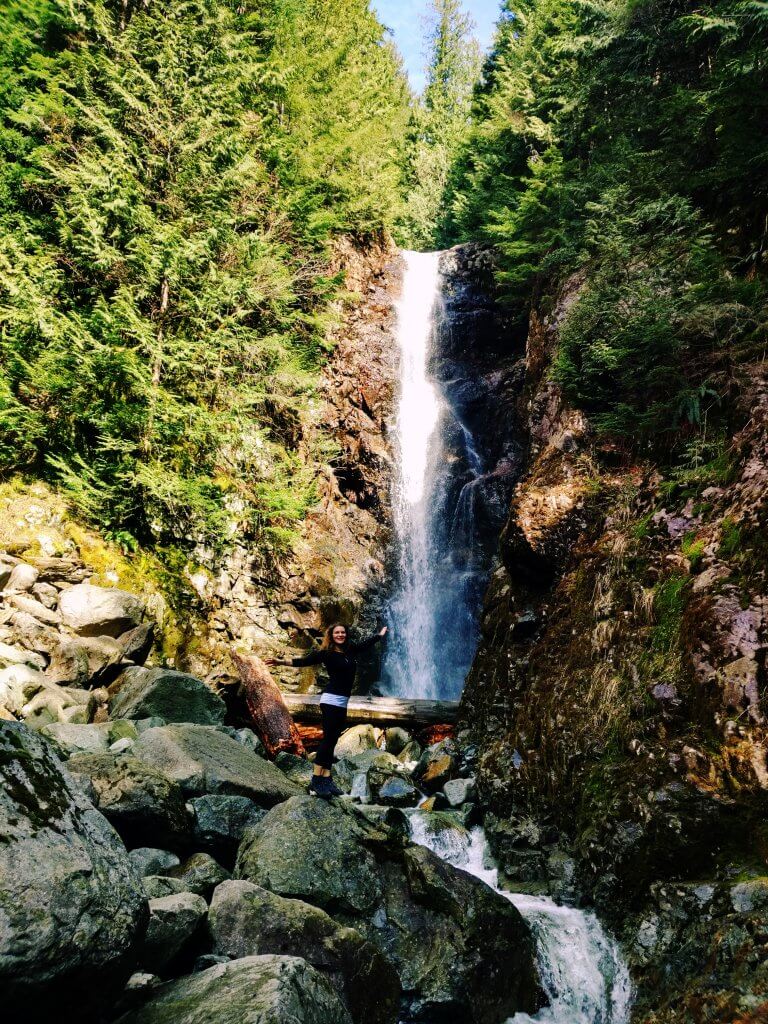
{"points": [[643, 526], [693, 550], [669, 602], [730, 539]]}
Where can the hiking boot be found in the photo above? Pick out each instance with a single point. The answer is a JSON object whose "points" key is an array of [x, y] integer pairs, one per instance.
{"points": [[320, 786], [333, 789]]}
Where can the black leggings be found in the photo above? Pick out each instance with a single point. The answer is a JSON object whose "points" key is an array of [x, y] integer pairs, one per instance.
{"points": [[334, 720]]}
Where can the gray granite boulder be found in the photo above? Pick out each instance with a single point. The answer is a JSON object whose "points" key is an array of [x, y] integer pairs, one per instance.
{"points": [[391, 790], [254, 990], [246, 920], [147, 860], [87, 739], [459, 791], [71, 908], [355, 740], [220, 822], [156, 886], [142, 803], [309, 849], [296, 769], [100, 611], [396, 740], [200, 874], [162, 693], [202, 759], [174, 921]]}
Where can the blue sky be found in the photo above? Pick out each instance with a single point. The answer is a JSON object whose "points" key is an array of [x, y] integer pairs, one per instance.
{"points": [[405, 18]]}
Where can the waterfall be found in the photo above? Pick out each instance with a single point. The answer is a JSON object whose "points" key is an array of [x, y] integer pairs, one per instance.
{"points": [[437, 504], [580, 967], [410, 662]]}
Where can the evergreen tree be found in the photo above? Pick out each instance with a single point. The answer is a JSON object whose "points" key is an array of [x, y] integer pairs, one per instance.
{"points": [[440, 121], [626, 139], [173, 180]]}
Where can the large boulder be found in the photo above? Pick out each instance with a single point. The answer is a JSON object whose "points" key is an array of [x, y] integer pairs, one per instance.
{"points": [[70, 664], [246, 920], [22, 578], [18, 684], [89, 739], [136, 644], [147, 860], [71, 907], [52, 703], [355, 740], [202, 759], [220, 822], [391, 790], [309, 849], [200, 874], [100, 611], [174, 921], [436, 766], [351, 773], [161, 693], [28, 693], [462, 951], [141, 802], [396, 740], [156, 886], [254, 990]]}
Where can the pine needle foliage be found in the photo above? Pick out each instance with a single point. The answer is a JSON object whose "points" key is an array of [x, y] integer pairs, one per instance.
{"points": [[628, 140], [173, 178], [439, 123]]}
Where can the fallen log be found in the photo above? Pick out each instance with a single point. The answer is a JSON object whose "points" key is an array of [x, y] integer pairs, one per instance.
{"points": [[401, 711], [271, 719]]}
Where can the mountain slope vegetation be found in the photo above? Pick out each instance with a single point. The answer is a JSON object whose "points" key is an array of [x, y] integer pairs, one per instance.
{"points": [[626, 139], [172, 183]]}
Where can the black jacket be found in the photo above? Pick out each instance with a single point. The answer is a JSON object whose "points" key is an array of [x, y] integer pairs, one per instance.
{"points": [[341, 666]]}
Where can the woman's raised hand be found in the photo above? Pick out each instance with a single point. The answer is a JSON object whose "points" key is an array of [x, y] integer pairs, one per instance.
{"points": [[271, 662]]}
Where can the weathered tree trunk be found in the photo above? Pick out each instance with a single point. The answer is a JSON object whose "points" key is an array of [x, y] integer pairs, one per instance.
{"points": [[381, 711], [271, 718]]}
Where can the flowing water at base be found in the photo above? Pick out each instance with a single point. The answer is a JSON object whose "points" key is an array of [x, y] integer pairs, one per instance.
{"points": [[580, 967]]}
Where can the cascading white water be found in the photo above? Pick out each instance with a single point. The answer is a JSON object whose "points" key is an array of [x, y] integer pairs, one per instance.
{"points": [[448, 499], [411, 663], [580, 967]]}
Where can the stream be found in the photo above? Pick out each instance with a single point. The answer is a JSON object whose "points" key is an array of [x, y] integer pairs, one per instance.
{"points": [[580, 967]]}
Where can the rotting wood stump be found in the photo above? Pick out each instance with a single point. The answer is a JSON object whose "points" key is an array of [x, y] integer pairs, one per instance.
{"points": [[271, 719]]}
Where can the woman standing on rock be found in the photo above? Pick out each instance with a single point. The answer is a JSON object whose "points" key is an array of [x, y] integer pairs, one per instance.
{"points": [[337, 654]]}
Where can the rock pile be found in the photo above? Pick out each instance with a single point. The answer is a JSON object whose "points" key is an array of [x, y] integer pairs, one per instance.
{"points": [[155, 866], [60, 634]]}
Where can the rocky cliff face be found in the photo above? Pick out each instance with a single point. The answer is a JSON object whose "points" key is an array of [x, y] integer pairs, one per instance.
{"points": [[337, 571], [618, 693]]}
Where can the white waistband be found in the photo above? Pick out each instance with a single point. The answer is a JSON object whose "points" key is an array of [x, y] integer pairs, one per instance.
{"points": [[338, 700]]}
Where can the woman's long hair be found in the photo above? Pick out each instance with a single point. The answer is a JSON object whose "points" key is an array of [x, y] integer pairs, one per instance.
{"points": [[328, 641]]}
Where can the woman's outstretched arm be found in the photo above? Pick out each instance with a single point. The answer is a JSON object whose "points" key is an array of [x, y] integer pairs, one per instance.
{"points": [[312, 658], [370, 641]]}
